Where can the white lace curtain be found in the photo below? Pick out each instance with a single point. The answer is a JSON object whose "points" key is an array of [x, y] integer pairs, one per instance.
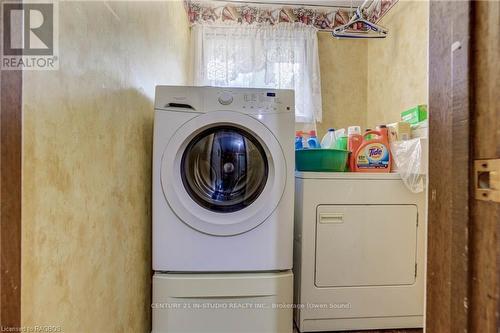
{"points": [[283, 56]]}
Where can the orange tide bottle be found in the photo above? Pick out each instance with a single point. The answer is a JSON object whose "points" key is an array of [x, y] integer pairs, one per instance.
{"points": [[354, 140], [374, 155]]}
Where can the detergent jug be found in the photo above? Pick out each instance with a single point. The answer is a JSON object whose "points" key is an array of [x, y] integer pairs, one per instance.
{"points": [[299, 140], [354, 140], [328, 140], [312, 142], [373, 155]]}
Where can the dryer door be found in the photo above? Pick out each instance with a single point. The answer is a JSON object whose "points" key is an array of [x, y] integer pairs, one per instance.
{"points": [[223, 173]]}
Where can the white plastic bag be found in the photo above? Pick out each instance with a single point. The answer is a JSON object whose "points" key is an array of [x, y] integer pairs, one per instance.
{"points": [[409, 159]]}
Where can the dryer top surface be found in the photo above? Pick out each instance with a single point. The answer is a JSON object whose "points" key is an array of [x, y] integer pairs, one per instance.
{"points": [[347, 175]]}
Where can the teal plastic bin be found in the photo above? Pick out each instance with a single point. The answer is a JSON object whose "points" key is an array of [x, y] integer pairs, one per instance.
{"points": [[323, 160]]}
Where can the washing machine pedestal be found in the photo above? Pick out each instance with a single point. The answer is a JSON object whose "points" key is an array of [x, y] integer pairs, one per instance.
{"points": [[222, 302]]}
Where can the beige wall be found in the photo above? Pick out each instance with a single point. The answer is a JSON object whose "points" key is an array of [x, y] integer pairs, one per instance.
{"points": [[397, 65], [369, 82], [343, 65], [87, 165]]}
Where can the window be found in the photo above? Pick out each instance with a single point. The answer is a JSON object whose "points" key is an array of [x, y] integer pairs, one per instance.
{"points": [[284, 56]]}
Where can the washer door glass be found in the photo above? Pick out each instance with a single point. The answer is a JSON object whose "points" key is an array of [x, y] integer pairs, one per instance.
{"points": [[224, 169]]}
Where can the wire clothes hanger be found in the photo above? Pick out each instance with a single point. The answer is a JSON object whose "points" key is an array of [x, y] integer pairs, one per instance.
{"points": [[364, 29]]}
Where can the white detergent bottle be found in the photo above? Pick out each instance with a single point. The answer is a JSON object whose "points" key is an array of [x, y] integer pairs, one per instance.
{"points": [[328, 141]]}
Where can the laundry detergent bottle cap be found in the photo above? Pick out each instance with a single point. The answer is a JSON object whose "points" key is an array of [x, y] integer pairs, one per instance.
{"points": [[369, 136]]}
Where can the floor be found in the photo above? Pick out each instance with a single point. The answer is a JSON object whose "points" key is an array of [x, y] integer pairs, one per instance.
{"points": [[412, 330], [415, 330]]}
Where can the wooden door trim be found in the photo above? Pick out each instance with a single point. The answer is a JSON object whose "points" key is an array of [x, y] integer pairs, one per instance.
{"points": [[484, 291], [10, 196], [449, 165]]}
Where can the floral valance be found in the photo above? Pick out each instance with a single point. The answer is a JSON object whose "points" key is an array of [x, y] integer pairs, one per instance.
{"points": [[324, 18]]}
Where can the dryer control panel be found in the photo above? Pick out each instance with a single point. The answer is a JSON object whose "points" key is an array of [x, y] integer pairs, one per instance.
{"points": [[207, 99]]}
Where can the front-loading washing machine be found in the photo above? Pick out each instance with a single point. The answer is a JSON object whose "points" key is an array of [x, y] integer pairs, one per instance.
{"points": [[223, 191], [223, 182]]}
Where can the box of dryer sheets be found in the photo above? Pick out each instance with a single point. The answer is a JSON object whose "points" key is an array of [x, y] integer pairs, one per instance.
{"points": [[399, 131], [415, 114]]}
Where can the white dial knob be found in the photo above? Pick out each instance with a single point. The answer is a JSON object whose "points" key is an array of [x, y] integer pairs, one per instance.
{"points": [[225, 98]]}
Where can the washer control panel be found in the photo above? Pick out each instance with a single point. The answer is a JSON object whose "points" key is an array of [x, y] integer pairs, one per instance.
{"points": [[206, 99], [246, 100]]}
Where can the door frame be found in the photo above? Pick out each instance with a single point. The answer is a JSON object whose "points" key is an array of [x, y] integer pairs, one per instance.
{"points": [[10, 196], [484, 245], [449, 168]]}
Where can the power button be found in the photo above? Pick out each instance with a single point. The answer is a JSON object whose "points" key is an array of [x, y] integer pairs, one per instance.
{"points": [[225, 98]]}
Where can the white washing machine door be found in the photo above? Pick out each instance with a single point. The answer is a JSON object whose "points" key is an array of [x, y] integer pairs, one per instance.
{"points": [[223, 173]]}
